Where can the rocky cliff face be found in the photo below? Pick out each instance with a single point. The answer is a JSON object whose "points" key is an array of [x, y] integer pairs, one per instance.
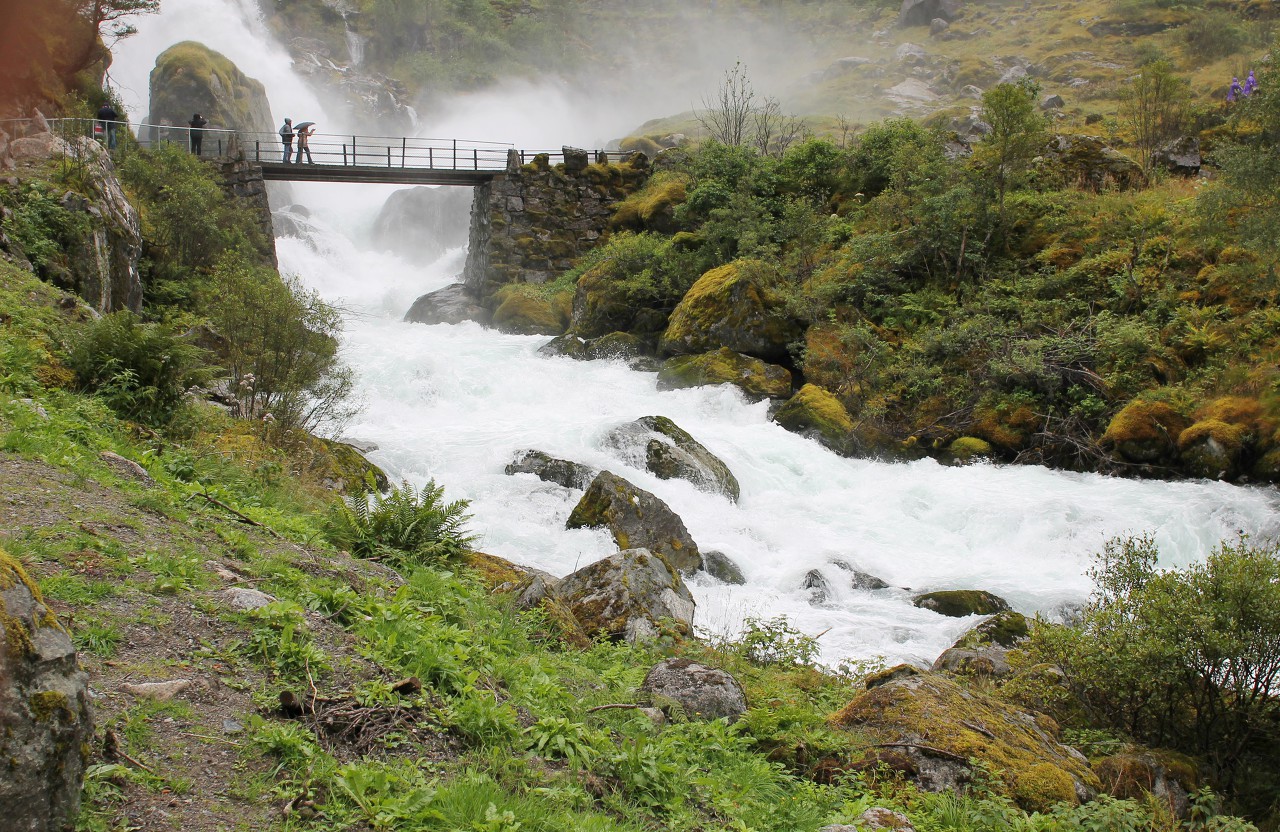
{"points": [[190, 77]]}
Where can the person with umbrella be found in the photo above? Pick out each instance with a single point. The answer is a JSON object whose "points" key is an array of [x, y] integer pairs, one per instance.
{"points": [[304, 131]]}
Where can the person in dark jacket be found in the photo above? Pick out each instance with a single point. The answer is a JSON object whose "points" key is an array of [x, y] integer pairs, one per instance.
{"points": [[286, 139], [108, 116], [197, 125]]}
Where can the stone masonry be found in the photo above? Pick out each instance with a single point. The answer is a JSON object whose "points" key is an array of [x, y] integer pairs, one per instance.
{"points": [[243, 180], [530, 224]]}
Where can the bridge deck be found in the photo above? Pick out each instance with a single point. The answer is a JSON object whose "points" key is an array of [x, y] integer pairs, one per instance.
{"points": [[367, 174]]}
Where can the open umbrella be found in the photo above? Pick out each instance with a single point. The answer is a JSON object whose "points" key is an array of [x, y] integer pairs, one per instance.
{"points": [[304, 125]]}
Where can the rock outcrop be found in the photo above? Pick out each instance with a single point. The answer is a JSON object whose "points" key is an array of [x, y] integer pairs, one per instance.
{"points": [[634, 595], [451, 305], [703, 693], [637, 519], [924, 12], [550, 469], [958, 603], [734, 306], [189, 77], [45, 721], [933, 731], [668, 451], [755, 378], [423, 223]]}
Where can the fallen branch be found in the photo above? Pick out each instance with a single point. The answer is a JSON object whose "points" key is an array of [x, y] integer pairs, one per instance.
{"points": [[210, 739], [616, 707], [929, 749], [243, 518]]}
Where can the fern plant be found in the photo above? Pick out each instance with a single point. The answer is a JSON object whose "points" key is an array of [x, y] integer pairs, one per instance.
{"points": [[405, 526]]}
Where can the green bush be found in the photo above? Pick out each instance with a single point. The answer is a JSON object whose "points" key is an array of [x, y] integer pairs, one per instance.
{"points": [[141, 370], [1214, 34], [405, 526], [39, 225]]}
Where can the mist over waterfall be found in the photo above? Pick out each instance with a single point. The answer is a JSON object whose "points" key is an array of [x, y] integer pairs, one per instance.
{"points": [[456, 403]]}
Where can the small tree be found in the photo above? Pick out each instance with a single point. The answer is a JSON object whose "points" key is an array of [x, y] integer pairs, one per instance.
{"points": [[1017, 136], [735, 117], [109, 17], [1154, 108]]}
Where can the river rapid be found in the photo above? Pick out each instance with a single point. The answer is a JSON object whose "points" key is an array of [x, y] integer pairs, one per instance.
{"points": [[455, 403]]}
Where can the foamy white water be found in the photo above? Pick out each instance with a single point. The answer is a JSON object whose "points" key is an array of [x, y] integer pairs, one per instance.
{"points": [[456, 403]]}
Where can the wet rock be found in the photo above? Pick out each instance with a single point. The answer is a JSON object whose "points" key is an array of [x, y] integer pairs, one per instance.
{"points": [[451, 305], [929, 729], [550, 469], [735, 306], [703, 693], [1180, 157], [44, 710], [637, 519], [958, 603], [567, 345], [633, 595], [860, 580], [421, 224], [1005, 629], [755, 378], [633, 349], [665, 449], [816, 413], [719, 566], [818, 586]]}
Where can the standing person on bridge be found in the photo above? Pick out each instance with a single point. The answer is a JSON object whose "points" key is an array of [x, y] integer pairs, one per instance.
{"points": [[286, 139], [305, 129], [197, 125], [108, 116]]}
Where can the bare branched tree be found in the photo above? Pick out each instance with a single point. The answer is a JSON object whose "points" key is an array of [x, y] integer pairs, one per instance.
{"points": [[728, 116], [774, 131]]}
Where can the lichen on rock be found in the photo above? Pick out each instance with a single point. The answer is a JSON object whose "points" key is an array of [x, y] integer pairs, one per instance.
{"points": [[637, 519], [735, 306], [755, 378]]}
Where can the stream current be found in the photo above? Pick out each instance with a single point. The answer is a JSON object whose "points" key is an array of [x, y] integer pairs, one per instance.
{"points": [[456, 403]]}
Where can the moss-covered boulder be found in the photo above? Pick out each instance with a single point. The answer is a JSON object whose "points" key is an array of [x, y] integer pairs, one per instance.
{"points": [[343, 467], [1225, 441], [45, 721], [602, 304], [619, 345], [634, 595], [934, 732], [958, 603], [816, 413], [668, 451], [721, 567], [735, 306], [1137, 772], [983, 651], [1146, 432], [653, 207], [968, 449], [1089, 161], [189, 77], [755, 378], [522, 310], [703, 693], [637, 519], [1005, 629]]}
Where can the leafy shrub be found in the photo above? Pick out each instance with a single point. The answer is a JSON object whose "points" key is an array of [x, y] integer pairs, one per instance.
{"points": [[776, 642], [38, 223], [1214, 34], [405, 526], [140, 369]]}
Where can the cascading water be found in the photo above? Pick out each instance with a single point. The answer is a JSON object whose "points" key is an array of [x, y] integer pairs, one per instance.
{"points": [[456, 403]]}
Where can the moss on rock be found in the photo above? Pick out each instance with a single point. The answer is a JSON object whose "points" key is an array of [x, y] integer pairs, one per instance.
{"points": [[734, 306], [969, 448], [817, 413], [652, 208], [189, 77], [522, 310], [958, 603], [756, 378], [1146, 431]]}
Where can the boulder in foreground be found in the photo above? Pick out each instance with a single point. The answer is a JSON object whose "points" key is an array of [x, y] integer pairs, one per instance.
{"points": [[637, 519], [633, 595]]}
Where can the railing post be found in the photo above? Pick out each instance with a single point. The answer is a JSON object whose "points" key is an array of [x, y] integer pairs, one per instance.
{"points": [[388, 155], [344, 155], [475, 158], [355, 159], [431, 158], [454, 165], [257, 150]]}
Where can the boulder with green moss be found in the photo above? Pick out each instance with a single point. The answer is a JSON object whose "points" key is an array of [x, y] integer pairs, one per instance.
{"points": [[344, 468], [1146, 432], [968, 449], [652, 208], [668, 451], [550, 469], [637, 519], [189, 77], [602, 304], [45, 722], [1136, 772], [936, 733], [736, 306], [756, 378], [958, 603], [634, 595], [523, 310], [816, 413]]}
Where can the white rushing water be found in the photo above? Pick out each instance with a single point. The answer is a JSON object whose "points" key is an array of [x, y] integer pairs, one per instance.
{"points": [[456, 403]]}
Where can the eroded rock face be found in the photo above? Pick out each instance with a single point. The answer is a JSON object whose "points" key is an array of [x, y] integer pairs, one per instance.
{"points": [[422, 223], [734, 306], [669, 452], [756, 378], [45, 721], [924, 12], [705, 693], [550, 469], [451, 305], [637, 519], [929, 728], [632, 595]]}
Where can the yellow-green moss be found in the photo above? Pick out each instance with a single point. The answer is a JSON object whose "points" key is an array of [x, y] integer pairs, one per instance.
{"points": [[1230, 437], [1145, 421], [968, 447], [644, 144], [1005, 424], [815, 410], [16, 636], [1038, 788], [49, 705], [524, 311], [492, 570], [724, 366], [653, 205]]}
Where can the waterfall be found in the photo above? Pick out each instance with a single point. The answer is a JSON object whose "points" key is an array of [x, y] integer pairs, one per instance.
{"points": [[455, 403], [355, 44]]}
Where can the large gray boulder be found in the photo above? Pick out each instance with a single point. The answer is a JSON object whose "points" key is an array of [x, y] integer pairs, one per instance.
{"points": [[550, 469], [451, 305], [637, 519], [45, 722], [189, 77], [668, 451], [423, 223], [1180, 156], [633, 595], [704, 693], [924, 12]]}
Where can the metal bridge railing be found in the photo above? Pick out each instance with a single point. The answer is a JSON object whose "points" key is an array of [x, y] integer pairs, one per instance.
{"points": [[330, 149]]}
